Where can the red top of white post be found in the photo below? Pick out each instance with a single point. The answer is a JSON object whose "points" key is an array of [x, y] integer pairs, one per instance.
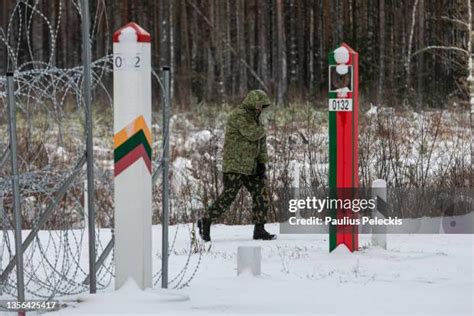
{"points": [[142, 36]]}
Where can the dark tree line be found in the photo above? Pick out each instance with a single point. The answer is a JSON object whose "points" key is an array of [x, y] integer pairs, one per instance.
{"points": [[220, 49]]}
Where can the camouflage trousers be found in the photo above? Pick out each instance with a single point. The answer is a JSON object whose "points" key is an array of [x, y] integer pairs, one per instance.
{"points": [[232, 184]]}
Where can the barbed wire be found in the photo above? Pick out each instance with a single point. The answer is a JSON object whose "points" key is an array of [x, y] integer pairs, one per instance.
{"points": [[52, 132]]}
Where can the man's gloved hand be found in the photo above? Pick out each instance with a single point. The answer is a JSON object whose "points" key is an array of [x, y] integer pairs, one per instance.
{"points": [[261, 170]]}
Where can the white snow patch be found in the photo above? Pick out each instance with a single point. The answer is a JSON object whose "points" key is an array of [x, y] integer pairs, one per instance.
{"points": [[417, 275]]}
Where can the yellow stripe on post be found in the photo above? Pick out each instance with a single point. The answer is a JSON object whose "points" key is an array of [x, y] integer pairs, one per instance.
{"points": [[128, 131]]}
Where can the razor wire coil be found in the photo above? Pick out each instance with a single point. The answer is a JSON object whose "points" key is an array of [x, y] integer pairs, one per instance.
{"points": [[50, 101]]}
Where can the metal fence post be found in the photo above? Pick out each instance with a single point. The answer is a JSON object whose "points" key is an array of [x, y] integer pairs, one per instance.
{"points": [[16, 189], [166, 154], [89, 141]]}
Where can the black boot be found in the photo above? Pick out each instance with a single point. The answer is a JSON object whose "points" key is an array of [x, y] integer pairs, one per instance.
{"points": [[259, 232], [204, 225]]}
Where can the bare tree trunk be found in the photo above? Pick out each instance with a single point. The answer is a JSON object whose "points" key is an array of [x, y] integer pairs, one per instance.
{"points": [[409, 55], [371, 55], [38, 42], [302, 81], [240, 25], [124, 11], [421, 60], [183, 88], [391, 46], [470, 80], [310, 51], [171, 47], [262, 40], [220, 22], [210, 57], [293, 59], [250, 35], [228, 53], [323, 41], [282, 76], [3, 47], [156, 30], [195, 49], [381, 73], [164, 48]]}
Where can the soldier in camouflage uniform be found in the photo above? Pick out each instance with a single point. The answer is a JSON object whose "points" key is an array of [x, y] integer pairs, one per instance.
{"points": [[245, 158]]}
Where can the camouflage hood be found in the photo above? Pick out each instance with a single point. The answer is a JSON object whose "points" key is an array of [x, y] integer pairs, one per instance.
{"points": [[254, 99], [245, 142]]}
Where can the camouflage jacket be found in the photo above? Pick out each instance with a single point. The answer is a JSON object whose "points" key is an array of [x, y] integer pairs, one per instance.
{"points": [[245, 140]]}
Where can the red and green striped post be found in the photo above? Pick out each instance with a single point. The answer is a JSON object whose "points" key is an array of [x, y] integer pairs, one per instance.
{"points": [[343, 98]]}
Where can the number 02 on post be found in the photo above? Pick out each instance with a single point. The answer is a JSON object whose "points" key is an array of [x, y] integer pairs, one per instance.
{"points": [[340, 104]]}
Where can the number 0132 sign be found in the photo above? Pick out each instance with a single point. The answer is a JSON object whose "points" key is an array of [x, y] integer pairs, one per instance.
{"points": [[340, 105]]}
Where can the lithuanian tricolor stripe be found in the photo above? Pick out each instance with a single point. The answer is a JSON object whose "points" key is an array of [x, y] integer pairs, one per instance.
{"points": [[132, 143]]}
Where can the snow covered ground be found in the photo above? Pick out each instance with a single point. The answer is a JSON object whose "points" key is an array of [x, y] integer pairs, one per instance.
{"points": [[417, 275]]}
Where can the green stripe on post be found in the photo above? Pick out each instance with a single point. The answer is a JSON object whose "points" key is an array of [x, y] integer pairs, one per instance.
{"points": [[332, 161], [130, 144]]}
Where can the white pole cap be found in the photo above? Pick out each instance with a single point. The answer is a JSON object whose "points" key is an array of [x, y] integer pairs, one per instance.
{"points": [[341, 55]]}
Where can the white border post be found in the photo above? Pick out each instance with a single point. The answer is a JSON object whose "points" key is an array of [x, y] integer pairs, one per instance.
{"points": [[249, 259], [132, 155], [379, 233]]}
